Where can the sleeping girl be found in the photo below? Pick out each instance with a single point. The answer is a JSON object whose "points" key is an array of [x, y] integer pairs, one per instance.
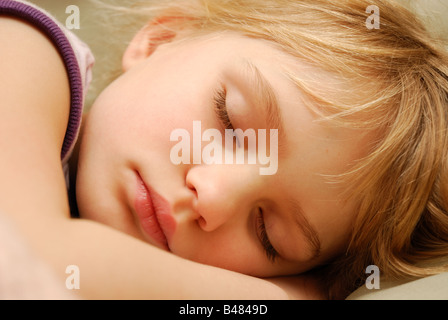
{"points": [[355, 117]]}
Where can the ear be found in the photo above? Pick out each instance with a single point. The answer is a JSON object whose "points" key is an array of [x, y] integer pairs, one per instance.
{"points": [[147, 39]]}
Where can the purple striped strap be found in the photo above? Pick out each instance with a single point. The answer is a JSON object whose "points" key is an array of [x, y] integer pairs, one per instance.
{"points": [[57, 36]]}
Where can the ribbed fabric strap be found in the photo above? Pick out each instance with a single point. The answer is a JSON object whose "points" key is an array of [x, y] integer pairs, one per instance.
{"points": [[57, 36]]}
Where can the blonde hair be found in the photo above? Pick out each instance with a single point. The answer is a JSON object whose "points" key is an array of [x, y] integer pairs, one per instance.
{"points": [[396, 80]]}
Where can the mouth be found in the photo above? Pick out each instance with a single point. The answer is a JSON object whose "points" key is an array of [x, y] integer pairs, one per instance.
{"points": [[154, 215]]}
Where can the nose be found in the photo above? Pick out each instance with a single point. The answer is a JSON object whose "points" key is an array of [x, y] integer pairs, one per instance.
{"points": [[225, 193]]}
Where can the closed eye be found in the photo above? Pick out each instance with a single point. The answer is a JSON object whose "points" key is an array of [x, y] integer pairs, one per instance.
{"points": [[269, 249], [221, 108], [223, 114]]}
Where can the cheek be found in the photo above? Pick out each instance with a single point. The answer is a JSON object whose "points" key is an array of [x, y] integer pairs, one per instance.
{"points": [[153, 111], [152, 99], [225, 249], [126, 118]]}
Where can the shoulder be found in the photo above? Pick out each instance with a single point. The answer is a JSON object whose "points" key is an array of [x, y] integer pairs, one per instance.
{"points": [[42, 32], [34, 112], [33, 78]]}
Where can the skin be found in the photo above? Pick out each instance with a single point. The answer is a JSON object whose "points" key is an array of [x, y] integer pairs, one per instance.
{"points": [[170, 85]]}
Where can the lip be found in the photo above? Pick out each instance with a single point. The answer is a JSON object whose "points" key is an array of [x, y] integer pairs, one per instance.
{"points": [[154, 214]]}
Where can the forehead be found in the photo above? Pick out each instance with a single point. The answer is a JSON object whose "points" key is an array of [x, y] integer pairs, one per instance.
{"points": [[306, 132], [231, 44], [278, 67], [307, 135]]}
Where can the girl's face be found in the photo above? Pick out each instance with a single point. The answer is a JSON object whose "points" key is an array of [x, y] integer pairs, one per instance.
{"points": [[226, 215]]}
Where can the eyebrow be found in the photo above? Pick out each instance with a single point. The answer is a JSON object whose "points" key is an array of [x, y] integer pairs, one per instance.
{"points": [[265, 96], [307, 229]]}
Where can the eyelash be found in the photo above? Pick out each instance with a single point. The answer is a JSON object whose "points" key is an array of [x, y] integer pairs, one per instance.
{"points": [[221, 108], [271, 253]]}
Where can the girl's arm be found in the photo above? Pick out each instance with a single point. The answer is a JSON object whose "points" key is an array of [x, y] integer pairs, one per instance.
{"points": [[34, 108]]}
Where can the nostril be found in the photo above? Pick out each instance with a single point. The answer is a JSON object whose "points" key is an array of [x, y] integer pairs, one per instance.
{"points": [[201, 222], [192, 188]]}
